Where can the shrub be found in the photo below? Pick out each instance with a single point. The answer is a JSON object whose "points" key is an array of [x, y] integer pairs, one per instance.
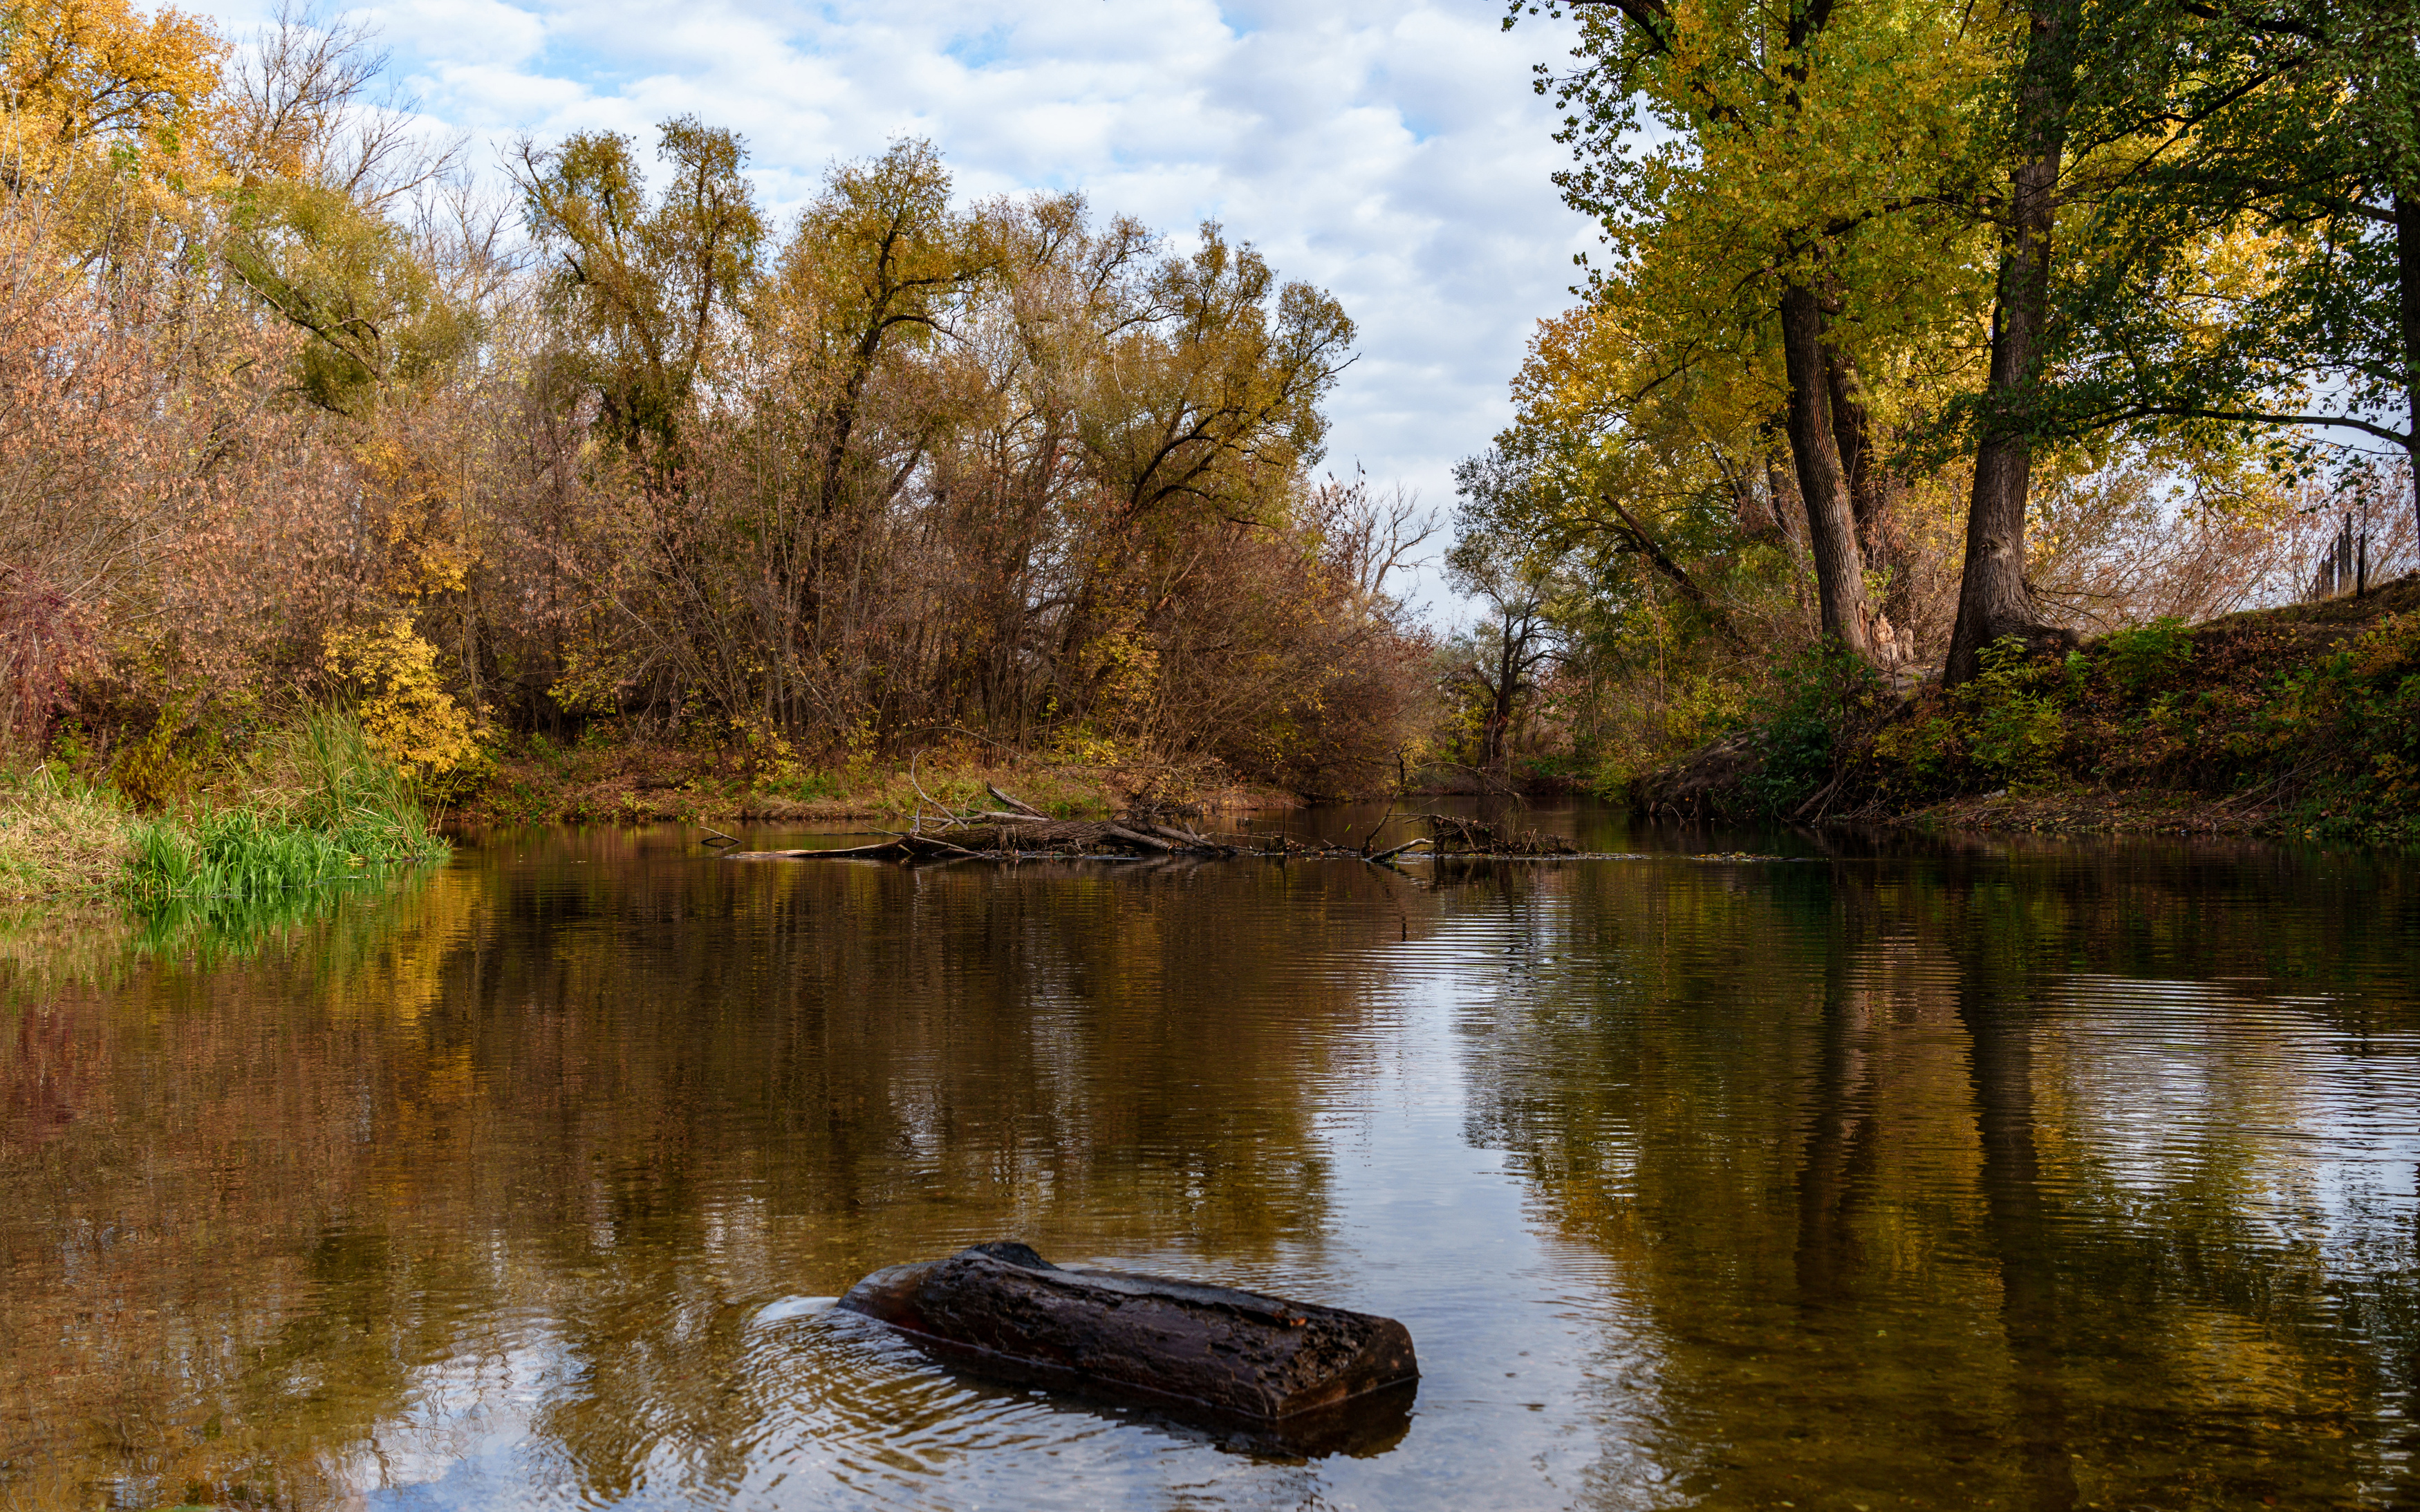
{"points": [[2017, 713], [1817, 699], [2006, 727], [406, 714], [1924, 756], [2362, 706], [2143, 656]]}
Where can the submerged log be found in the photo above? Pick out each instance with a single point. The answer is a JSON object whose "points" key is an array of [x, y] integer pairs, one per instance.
{"points": [[1295, 1375]]}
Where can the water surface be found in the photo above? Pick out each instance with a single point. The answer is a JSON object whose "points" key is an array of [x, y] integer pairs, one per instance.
{"points": [[1886, 1173]]}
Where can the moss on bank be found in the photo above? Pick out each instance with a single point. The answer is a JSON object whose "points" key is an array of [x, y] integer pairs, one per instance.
{"points": [[2302, 720]]}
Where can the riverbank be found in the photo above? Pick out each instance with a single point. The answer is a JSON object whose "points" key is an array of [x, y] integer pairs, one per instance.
{"points": [[540, 783], [2300, 722], [302, 816]]}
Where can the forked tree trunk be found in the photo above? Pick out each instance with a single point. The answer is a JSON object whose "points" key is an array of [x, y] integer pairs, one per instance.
{"points": [[1994, 599], [1823, 483]]}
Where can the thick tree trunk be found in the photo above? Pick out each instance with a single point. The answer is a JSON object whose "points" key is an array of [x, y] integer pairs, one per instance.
{"points": [[1994, 599], [1823, 483]]}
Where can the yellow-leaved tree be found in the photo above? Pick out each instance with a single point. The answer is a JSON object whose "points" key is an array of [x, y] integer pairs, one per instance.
{"points": [[95, 83]]}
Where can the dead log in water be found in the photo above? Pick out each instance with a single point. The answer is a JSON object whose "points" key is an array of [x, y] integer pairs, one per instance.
{"points": [[1303, 1377], [1016, 829]]}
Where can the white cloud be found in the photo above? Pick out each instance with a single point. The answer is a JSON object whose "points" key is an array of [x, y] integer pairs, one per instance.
{"points": [[1392, 153]]}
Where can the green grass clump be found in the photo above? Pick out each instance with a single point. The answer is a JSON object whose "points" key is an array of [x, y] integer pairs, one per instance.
{"points": [[234, 853], [366, 804], [332, 811]]}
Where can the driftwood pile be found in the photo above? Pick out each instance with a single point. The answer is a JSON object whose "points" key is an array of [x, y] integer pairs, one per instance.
{"points": [[1451, 835], [1016, 829]]}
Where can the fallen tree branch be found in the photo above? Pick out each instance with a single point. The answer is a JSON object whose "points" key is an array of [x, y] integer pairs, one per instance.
{"points": [[1018, 804]]}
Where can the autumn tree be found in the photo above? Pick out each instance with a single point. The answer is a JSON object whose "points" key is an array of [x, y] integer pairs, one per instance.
{"points": [[1501, 660], [641, 287], [1993, 598], [1804, 154], [94, 86], [310, 162], [870, 288]]}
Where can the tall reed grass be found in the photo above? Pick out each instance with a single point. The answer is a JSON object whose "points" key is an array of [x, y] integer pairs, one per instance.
{"points": [[330, 809]]}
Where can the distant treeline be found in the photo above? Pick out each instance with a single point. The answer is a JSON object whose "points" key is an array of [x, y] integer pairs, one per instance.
{"points": [[288, 408]]}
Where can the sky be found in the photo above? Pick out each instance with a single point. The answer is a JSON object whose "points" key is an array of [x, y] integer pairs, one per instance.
{"points": [[1391, 151]]}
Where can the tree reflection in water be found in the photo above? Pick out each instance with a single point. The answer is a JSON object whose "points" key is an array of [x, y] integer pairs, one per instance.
{"points": [[251, 1204], [1829, 1124], [2033, 1179]]}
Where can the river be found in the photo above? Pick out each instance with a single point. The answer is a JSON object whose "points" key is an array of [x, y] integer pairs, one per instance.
{"points": [[1857, 1173]]}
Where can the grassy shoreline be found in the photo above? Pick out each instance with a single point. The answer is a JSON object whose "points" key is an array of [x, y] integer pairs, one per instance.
{"points": [[319, 808]]}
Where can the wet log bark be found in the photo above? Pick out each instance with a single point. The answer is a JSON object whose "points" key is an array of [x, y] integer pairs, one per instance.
{"points": [[1318, 1377]]}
